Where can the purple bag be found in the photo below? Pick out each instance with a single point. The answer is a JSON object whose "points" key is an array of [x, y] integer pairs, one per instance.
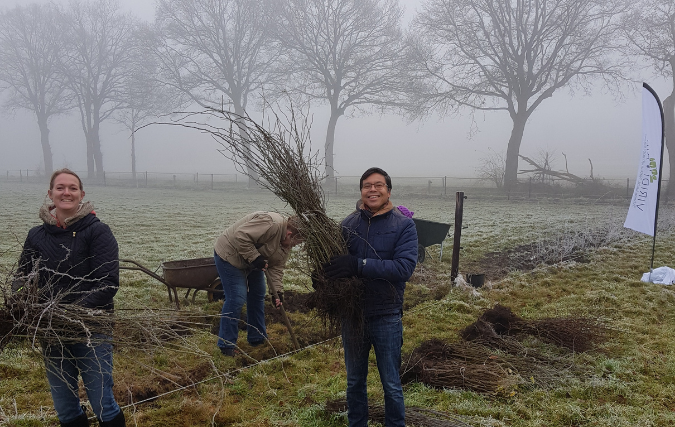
{"points": [[405, 211]]}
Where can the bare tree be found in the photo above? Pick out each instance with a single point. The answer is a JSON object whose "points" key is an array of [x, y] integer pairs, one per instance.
{"points": [[344, 52], [217, 52], [650, 31], [492, 167], [511, 55], [143, 96], [99, 46], [30, 55]]}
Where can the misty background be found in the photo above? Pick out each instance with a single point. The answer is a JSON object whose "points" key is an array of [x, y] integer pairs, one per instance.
{"points": [[603, 126]]}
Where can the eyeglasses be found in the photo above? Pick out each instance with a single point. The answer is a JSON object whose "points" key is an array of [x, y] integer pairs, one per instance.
{"points": [[377, 185]]}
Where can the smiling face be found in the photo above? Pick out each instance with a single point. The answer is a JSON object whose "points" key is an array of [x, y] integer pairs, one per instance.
{"points": [[66, 194], [374, 192]]}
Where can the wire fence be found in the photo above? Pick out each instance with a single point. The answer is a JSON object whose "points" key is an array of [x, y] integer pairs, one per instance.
{"points": [[527, 188]]}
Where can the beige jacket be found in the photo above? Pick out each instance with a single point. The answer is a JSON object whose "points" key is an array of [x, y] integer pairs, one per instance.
{"points": [[258, 233]]}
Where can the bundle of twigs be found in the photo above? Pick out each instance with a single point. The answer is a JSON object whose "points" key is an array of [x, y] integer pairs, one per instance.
{"points": [[414, 416], [468, 367], [476, 367], [279, 158], [576, 333], [42, 318]]}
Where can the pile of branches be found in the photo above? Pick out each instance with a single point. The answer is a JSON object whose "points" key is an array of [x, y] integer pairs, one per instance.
{"points": [[575, 333], [414, 416], [42, 318], [490, 359], [279, 158], [471, 366], [443, 365]]}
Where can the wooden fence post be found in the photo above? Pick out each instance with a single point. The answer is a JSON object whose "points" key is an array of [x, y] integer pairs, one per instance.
{"points": [[459, 211], [627, 187]]}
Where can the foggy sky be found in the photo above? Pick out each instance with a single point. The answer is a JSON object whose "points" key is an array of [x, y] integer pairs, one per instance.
{"points": [[598, 127]]}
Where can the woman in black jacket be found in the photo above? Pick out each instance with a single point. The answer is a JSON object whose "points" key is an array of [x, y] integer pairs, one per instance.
{"points": [[75, 258]]}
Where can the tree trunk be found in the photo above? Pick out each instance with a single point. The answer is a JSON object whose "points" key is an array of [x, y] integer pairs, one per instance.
{"points": [[133, 153], [330, 143], [669, 122], [253, 175], [512, 151], [91, 172], [46, 148], [96, 144]]}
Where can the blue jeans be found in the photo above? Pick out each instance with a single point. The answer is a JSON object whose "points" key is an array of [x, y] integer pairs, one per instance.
{"points": [[385, 335], [240, 286], [93, 362]]}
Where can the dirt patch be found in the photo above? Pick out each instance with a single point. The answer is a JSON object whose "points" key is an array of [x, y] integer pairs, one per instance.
{"points": [[143, 388]]}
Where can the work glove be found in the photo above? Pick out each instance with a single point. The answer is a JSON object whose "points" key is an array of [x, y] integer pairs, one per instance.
{"points": [[259, 263], [280, 298], [317, 280], [341, 266]]}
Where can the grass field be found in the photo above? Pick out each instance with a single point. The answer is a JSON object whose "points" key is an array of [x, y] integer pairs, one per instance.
{"points": [[628, 380]]}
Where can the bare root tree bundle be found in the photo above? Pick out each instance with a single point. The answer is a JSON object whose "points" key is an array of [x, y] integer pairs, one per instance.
{"points": [[532, 365], [576, 333], [414, 416], [279, 158], [483, 333], [476, 367], [459, 366]]}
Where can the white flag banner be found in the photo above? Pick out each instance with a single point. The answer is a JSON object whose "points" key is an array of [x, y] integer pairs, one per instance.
{"points": [[642, 212]]}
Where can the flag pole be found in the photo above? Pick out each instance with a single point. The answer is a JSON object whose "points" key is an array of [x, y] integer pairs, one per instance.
{"points": [[658, 191]]}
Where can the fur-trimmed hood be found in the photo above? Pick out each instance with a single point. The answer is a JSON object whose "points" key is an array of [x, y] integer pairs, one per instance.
{"points": [[48, 214]]}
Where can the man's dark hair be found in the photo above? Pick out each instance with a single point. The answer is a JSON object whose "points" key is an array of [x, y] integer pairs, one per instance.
{"points": [[366, 174]]}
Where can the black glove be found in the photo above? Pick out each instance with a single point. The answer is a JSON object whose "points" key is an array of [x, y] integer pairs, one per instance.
{"points": [[341, 266], [259, 263], [317, 280]]}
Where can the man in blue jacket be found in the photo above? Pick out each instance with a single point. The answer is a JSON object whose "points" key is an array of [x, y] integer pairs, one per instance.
{"points": [[382, 246]]}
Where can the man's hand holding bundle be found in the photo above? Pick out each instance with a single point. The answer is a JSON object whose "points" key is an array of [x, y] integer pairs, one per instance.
{"points": [[342, 266]]}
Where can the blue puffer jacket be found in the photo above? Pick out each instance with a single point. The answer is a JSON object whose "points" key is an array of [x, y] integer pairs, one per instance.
{"points": [[388, 243], [80, 262]]}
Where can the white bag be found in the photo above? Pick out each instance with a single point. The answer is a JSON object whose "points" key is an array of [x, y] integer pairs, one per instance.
{"points": [[661, 275]]}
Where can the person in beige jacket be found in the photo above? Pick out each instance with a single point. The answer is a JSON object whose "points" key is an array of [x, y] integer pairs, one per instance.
{"points": [[254, 247]]}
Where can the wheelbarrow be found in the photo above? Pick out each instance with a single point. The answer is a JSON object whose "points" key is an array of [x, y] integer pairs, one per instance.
{"points": [[192, 274], [429, 233], [195, 275]]}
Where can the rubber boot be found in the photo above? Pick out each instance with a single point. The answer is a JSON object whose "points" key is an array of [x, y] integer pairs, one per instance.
{"points": [[118, 421], [81, 421]]}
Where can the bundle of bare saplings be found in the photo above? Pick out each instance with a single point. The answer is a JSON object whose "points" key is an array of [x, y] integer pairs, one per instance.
{"points": [[278, 156], [35, 314], [575, 333], [490, 359]]}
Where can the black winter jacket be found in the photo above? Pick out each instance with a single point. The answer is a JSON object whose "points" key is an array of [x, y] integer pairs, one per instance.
{"points": [[78, 264]]}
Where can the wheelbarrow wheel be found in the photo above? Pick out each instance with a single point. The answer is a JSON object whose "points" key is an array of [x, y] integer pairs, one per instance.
{"points": [[421, 253], [215, 296]]}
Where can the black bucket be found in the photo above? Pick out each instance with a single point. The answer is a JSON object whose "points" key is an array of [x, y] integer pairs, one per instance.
{"points": [[476, 280]]}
